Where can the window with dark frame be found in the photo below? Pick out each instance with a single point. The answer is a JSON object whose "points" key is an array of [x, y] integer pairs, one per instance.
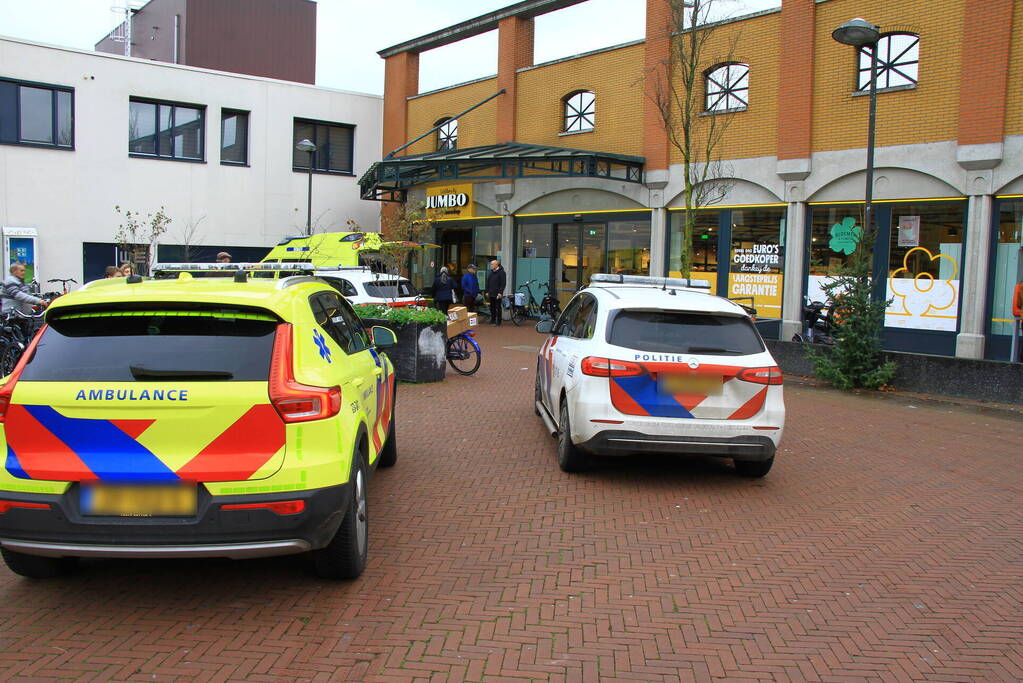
{"points": [[727, 87], [580, 111], [898, 62], [334, 146], [447, 134], [234, 137], [166, 130], [36, 114]]}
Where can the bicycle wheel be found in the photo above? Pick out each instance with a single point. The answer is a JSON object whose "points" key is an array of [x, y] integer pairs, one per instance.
{"points": [[463, 356], [9, 355], [518, 315]]}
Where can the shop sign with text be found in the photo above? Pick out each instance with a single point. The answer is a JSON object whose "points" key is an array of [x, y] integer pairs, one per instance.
{"points": [[449, 201]]}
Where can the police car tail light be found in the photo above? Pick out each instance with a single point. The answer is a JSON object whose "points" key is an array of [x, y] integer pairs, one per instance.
{"points": [[7, 390], [608, 367], [771, 375], [294, 401]]}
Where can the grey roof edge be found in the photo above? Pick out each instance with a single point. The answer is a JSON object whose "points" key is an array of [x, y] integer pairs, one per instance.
{"points": [[477, 25], [511, 150]]}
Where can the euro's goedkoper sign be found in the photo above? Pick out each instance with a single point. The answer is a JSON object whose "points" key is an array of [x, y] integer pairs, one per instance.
{"points": [[449, 201]]}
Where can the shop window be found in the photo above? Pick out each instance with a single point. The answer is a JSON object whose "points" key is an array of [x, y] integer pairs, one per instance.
{"points": [[447, 134], [36, 114], [580, 111], [898, 62], [166, 130], [487, 247], [925, 266], [334, 143], [534, 257], [628, 247], [1008, 269], [704, 247], [234, 137], [757, 259], [727, 87]]}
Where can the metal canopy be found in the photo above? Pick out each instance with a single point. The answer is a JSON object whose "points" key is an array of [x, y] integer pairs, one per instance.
{"points": [[388, 180]]}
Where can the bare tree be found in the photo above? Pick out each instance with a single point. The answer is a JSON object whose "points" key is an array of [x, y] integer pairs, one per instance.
{"points": [[679, 95], [139, 235], [190, 237]]}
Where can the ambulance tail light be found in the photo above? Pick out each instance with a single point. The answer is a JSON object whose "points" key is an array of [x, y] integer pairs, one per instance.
{"points": [[7, 390], [771, 375], [294, 401], [595, 366]]}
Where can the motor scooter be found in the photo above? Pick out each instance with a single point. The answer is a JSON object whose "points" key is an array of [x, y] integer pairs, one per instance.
{"points": [[817, 328]]}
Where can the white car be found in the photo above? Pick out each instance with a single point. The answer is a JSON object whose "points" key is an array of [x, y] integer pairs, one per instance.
{"points": [[653, 365], [360, 285]]}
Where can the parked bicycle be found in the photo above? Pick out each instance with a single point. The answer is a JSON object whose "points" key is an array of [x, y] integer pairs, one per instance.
{"points": [[549, 306], [16, 331], [525, 306], [63, 283], [463, 353]]}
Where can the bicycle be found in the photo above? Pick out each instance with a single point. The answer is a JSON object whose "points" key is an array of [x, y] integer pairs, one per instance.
{"points": [[463, 353], [521, 308], [549, 306], [63, 283], [16, 331]]}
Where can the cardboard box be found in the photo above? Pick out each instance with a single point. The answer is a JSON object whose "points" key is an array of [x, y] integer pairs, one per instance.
{"points": [[473, 320], [456, 327], [458, 313]]}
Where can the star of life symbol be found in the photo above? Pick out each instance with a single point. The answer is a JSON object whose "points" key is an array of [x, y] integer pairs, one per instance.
{"points": [[321, 343]]}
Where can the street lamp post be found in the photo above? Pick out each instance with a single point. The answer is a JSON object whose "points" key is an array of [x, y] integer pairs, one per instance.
{"points": [[305, 145], [860, 33]]}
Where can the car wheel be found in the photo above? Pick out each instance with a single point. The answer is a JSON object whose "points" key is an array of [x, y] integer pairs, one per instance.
{"points": [[570, 458], [753, 468], [389, 453], [537, 391], [345, 556], [36, 566]]}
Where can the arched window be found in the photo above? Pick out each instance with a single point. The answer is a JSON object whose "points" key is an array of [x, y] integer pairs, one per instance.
{"points": [[447, 134], [727, 87], [898, 61], [580, 111]]}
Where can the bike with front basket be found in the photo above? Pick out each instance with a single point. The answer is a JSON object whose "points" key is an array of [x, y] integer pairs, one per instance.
{"points": [[525, 306]]}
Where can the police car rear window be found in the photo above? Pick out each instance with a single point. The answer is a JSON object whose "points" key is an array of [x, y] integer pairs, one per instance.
{"points": [[682, 332], [390, 288], [139, 346]]}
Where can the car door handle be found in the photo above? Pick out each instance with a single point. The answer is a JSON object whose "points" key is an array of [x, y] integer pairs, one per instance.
{"points": [[358, 381]]}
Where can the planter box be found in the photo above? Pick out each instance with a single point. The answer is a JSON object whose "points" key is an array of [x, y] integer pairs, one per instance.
{"points": [[420, 354]]}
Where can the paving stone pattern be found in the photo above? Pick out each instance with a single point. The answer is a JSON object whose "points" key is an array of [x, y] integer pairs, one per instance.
{"points": [[885, 545]]}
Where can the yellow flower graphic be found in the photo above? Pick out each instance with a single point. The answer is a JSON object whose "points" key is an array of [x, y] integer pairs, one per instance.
{"points": [[941, 299]]}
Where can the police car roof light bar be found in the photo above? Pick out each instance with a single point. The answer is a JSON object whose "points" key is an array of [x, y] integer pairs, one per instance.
{"points": [[662, 282]]}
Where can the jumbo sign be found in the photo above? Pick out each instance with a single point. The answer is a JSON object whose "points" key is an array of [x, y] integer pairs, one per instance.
{"points": [[449, 201]]}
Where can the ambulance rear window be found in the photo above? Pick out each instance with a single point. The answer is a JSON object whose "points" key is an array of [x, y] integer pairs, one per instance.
{"points": [[154, 346], [684, 332]]}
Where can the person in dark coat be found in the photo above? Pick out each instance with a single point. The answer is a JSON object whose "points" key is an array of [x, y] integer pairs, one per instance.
{"points": [[497, 279], [470, 287], [443, 290]]}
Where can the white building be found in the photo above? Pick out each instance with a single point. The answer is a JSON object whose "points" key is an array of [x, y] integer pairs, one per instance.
{"points": [[82, 132]]}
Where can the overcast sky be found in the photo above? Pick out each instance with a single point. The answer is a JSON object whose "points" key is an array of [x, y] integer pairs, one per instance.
{"points": [[351, 32]]}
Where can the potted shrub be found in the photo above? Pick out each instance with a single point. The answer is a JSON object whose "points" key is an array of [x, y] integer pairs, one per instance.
{"points": [[420, 354]]}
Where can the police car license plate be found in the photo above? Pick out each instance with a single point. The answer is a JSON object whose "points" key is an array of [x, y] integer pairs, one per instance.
{"points": [[690, 385], [174, 500]]}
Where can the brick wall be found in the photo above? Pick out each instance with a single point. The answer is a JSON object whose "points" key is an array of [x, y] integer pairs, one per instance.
{"points": [[478, 127], [615, 77], [1014, 100], [927, 113]]}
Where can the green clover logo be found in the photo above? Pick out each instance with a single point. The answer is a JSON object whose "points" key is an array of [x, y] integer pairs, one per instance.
{"points": [[845, 236]]}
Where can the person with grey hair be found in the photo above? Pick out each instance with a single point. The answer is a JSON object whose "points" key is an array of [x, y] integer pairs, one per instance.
{"points": [[17, 294], [443, 290]]}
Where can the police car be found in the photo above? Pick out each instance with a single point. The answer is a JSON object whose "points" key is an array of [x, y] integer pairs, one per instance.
{"points": [[361, 285], [196, 416], [639, 364]]}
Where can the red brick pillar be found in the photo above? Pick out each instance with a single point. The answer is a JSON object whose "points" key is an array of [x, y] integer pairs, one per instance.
{"points": [[987, 38], [656, 67], [795, 79], [401, 81], [514, 52]]}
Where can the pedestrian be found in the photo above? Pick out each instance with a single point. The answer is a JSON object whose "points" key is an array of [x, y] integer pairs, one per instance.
{"points": [[112, 271], [1017, 319], [470, 287], [497, 280], [127, 269], [17, 295], [223, 257], [443, 290]]}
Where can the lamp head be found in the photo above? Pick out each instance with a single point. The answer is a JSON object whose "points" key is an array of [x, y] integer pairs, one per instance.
{"points": [[305, 146], [857, 32]]}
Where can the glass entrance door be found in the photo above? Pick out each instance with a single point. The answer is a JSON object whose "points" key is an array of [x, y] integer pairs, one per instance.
{"points": [[581, 252]]}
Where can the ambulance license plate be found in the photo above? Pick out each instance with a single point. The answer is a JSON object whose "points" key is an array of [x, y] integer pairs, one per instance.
{"points": [[690, 385], [139, 500]]}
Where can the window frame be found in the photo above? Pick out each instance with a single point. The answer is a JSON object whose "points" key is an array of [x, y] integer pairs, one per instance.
{"points": [[201, 108], [727, 89], [885, 68], [316, 123], [54, 126], [227, 112], [582, 114], [448, 132]]}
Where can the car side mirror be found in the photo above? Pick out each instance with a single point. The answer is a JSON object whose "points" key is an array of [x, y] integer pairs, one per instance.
{"points": [[383, 337], [545, 326]]}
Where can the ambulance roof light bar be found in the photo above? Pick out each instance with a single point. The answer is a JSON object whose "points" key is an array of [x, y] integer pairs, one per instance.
{"points": [[662, 282], [230, 267]]}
